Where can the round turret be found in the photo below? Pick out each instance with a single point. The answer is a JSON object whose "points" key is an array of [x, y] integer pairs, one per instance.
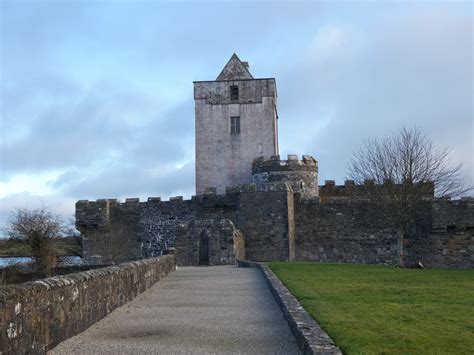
{"points": [[302, 175]]}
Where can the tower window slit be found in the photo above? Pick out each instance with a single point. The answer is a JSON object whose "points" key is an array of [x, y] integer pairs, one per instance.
{"points": [[234, 93], [234, 124]]}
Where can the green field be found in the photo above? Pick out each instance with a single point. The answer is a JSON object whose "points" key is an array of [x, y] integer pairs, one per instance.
{"points": [[370, 309], [63, 246]]}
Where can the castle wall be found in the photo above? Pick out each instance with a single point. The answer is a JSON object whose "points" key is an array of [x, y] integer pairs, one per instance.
{"points": [[330, 191], [450, 241], [231, 223], [273, 223], [221, 235], [351, 230], [116, 232], [264, 219], [109, 230], [225, 159], [342, 231]]}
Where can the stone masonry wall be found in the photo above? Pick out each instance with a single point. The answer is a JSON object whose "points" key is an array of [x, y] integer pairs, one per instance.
{"points": [[351, 230], [229, 221], [302, 175], [263, 218], [108, 230], [146, 228], [450, 241], [220, 234], [225, 159], [36, 316], [342, 231], [273, 223]]}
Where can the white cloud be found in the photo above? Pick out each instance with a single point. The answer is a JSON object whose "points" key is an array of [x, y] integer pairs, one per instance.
{"points": [[106, 110]]}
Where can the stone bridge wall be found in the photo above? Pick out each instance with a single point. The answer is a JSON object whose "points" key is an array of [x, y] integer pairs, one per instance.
{"points": [[36, 316]]}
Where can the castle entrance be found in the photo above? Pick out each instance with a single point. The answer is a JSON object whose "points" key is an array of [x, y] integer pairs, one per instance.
{"points": [[204, 249]]}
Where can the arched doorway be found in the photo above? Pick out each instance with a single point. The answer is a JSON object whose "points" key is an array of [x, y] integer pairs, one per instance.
{"points": [[203, 249]]}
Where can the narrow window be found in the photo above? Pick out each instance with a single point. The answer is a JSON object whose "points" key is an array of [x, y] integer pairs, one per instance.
{"points": [[234, 93], [235, 125]]}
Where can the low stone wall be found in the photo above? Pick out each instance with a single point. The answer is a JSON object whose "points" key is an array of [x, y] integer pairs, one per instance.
{"points": [[311, 338], [36, 316]]}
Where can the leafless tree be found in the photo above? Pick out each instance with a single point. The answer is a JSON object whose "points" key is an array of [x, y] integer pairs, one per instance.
{"points": [[39, 227], [402, 174]]}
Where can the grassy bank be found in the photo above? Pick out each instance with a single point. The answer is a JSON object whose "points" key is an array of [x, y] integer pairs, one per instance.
{"points": [[377, 309], [63, 246]]}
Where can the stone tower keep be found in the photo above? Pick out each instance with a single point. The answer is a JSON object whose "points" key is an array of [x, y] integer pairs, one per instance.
{"points": [[236, 122]]}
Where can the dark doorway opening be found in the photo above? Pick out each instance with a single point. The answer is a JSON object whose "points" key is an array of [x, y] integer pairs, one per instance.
{"points": [[204, 249]]}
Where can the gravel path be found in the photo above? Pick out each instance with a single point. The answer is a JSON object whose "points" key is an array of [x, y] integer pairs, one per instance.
{"points": [[197, 310]]}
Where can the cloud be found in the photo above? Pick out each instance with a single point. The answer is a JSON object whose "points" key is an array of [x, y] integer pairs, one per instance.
{"points": [[88, 127], [122, 182], [410, 70], [96, 98], [59, 204]]}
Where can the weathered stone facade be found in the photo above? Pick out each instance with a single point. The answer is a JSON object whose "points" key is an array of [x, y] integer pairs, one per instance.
{"points": [[205, 230], [302, 175], [224, 153]]}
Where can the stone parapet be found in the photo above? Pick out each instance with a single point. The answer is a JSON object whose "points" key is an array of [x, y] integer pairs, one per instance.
{"points": [[311, 338], [274, 163], [351, 191], [36, 316]]}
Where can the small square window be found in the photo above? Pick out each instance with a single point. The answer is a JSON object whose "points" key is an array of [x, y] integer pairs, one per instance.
{"points": [[234, 93], [235, 125]]}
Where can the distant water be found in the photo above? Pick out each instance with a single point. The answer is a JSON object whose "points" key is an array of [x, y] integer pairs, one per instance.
{"points": [[63, 260], [7, 261]]}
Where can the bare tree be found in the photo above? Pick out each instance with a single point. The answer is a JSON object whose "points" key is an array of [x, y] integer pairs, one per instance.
{"points": [[39, 227], [403, 174]]}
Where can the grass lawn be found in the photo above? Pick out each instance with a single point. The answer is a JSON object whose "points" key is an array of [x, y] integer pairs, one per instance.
{"points": [[63, 246], [374, 309]]}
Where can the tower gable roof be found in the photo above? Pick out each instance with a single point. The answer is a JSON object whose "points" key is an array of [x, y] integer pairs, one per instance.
{"points": [[235, 69]]}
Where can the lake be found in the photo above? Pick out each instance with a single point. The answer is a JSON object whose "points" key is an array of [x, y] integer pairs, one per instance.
{"points": [[64, 260]]}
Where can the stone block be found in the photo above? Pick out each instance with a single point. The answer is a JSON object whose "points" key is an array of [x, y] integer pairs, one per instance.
{"points": [[132, 200]]}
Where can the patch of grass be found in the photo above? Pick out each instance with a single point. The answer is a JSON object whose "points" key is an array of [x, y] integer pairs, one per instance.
{"points": [[14, 248], [67, 246], [62, 246], [372, 309]]}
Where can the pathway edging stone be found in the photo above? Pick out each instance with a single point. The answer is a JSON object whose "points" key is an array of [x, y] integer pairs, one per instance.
{"points": [[311, 338]]}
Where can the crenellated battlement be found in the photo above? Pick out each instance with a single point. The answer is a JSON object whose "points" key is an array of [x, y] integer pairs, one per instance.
{"points": [[153, 225], [350, 190], [274, 163], [330, 191], [301, 175], [98, 213]]}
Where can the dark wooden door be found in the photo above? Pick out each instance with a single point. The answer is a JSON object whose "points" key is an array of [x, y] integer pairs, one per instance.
{"points": [[203, 249]]}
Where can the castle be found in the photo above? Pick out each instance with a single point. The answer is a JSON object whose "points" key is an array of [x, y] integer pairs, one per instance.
{"points": [[252, 204]]}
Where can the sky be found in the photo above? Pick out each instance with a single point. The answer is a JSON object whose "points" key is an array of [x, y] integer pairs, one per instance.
{"points": [[96, 97]]}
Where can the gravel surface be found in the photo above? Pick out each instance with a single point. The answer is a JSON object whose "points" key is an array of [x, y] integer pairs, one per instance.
{"points": [[197, 310]]}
